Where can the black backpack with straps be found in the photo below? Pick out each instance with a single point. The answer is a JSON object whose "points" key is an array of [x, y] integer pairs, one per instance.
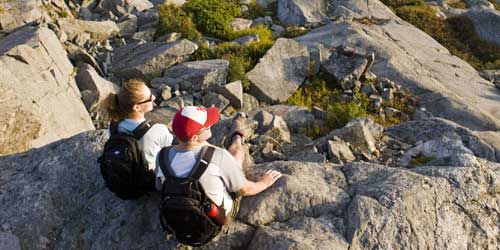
{"points": [[183, 207], [123, 164]]}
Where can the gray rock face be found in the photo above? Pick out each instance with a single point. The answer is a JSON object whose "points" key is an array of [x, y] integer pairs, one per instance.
{"points": [[15, 13], [339, 152], [9, 241], [245, 40], [486, 23], [389, 208], [313, 206], [301, 12], [296, 118], [434, 128], [232, 91], [93, 87], [33, 59], [151, 59], [358, 9], [447, 86], [123, 7], [240, 24], [357, 133], [280, 72], [98, 30], [325, 193], [196, 75], [273, 126], [346, 66], [300, 233]]}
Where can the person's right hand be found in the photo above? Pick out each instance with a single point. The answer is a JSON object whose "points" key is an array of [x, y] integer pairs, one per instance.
{"points": [[270, 177]]}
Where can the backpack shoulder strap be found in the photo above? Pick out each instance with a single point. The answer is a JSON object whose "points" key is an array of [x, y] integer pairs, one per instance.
{"points": [[164, 162], [113, 127], [205, 157], [142, 129]]}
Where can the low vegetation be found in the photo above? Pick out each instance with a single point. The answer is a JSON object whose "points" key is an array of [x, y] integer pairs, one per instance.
{"points": [[457, 34], [174, 19], [241, 58], [420, 160], [321, 92]]}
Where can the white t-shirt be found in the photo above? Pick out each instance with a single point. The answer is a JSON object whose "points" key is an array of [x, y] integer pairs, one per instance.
{"points": [[223, 174], [155, 139]]}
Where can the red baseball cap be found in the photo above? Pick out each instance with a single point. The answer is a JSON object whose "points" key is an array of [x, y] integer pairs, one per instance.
{"points": [[190, 120]]}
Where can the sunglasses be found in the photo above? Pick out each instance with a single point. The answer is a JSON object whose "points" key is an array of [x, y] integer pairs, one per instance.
{"points": [[146, 101]]}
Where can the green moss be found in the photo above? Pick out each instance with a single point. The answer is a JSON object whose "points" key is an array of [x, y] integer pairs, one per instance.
{"points": [[420, 160], [458, 4], [213, 17], [241, 58], [174, 19]]}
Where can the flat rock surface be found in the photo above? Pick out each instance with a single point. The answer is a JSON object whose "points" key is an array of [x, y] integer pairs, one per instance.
{"points": [[36, 89], [280, 72]]}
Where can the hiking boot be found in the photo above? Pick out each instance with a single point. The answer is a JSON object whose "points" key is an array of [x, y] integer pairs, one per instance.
{"points": [[240, 126]]}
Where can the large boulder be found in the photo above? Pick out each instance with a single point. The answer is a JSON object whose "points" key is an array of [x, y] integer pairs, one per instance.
{"points": [[432, 129], [149, 60], [300, 233], [15, 13], [98, 30], [58, 200], [41, 100], [123, 7], [196, 75], [427, 208], [93, 88], [486, 23], [309, 189], [280, 72], [301, 12], [447, 86]]}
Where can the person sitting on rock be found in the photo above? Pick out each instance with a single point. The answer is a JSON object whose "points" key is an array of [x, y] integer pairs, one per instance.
{"points": [[126, 110], [223, 181]]}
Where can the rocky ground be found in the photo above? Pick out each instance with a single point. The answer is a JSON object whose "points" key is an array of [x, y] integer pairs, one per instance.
{"points": [[430, 182]]}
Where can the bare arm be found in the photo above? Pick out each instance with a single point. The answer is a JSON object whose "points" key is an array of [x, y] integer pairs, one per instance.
{"points": [[254, 187]]}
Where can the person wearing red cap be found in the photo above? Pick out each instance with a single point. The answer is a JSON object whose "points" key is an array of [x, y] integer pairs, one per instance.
{"points": [[224, 175]]}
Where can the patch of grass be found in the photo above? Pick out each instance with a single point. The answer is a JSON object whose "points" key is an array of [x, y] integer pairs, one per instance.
{"points": [[64, 14], [213, 17], [174, 19], [457, 34], [324, 93], [420, 160], [458, 4], [241, 58]]}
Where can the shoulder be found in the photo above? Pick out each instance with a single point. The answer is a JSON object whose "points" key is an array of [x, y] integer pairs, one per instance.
{"points": [[159, 129], [221, 154]]}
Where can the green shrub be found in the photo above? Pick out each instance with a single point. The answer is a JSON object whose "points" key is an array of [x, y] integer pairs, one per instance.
{"points": [[340, 113], [174, 19], [213, 17]]}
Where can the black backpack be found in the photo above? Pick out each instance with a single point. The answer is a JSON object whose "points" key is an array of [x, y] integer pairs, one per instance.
{"points": [[123, 164], [184, 202]]}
